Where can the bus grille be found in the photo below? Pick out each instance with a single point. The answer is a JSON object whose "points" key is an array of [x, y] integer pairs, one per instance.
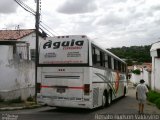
{"points": [[95, 96]]}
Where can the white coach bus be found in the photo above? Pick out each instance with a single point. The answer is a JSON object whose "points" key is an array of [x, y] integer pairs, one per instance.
{"points": [[75, 72]]}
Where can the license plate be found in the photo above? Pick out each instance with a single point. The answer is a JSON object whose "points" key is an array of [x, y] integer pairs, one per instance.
{"points": [[61, 90]]}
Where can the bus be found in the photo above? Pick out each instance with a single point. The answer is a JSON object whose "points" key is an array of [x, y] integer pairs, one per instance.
{"points": [[74, 71]]}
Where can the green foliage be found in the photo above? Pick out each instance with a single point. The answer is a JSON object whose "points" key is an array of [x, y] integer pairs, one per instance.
{"points": [[158, 102], [16, 100], [30, 98], [154, 97], [137, 71], [133, 54]]}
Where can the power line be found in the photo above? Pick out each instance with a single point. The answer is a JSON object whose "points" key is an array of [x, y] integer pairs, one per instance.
{"points": [[30, 10], [25, 7], [41, 26], [50, 29]]}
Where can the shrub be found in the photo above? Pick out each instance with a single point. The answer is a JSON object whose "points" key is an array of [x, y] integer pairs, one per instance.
{"points": [[153, 96], [137, 71], [30, 98], [16, 100], [158, 102]]}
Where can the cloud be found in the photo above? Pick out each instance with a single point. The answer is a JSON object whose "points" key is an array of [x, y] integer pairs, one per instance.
{"points": [[8, 6], [111, 23], [77, 6], [110, 19]]}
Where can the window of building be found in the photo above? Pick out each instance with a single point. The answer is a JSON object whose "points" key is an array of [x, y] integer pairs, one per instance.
{"points": [[33, 54]]}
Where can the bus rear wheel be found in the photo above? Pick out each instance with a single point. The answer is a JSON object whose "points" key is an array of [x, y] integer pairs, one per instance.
{"points": [[109, 98], [124, 93], [104, 100]]}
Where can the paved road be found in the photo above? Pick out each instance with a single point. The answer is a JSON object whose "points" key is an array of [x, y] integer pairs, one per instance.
{"points": [[126, 105]]}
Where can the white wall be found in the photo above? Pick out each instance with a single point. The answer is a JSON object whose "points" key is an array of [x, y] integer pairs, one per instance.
{"points": [[15, 74], [155, 83], [135, 78], [143, 75], [146, 76], [31, 39]]}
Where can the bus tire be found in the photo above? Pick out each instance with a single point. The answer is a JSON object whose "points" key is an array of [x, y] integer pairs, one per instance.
{"points": [[109, 98], [124, 94], [104, 100]]}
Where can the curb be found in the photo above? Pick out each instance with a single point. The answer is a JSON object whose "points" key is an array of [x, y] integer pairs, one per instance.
{"points": [[20, 108]]}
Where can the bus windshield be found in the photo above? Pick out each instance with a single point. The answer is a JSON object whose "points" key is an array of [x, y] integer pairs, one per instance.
{"points": [[64, 50]]}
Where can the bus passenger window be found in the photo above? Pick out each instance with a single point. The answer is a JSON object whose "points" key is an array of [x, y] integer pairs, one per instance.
{"points": [[109, 62], [97, 52], [119, 65], [106, 60], [94, 57], [115, 64], [102, 59]]}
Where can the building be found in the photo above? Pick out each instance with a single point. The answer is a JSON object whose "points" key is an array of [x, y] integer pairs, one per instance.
{"points": [[17, 67], [155, 54]]}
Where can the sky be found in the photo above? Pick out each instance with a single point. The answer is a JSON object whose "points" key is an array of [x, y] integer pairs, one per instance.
{"points": [[111, 23]]}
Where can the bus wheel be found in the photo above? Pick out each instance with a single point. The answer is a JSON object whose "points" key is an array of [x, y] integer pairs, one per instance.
{"points": [[124, 94], [109, 98], [104, 100]]}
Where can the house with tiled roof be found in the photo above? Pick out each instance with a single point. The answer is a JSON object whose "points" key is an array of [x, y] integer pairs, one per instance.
{"points": [[15, 34], [17, 66]]}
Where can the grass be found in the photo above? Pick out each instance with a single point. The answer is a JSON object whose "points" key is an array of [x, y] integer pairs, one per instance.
{"points": [[154, 97]]}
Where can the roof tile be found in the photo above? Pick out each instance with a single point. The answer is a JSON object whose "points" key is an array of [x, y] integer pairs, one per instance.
{"points": [[14, 34]]}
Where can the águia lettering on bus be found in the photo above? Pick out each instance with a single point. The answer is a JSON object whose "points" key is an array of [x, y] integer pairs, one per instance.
{"points": [[57, 45]]}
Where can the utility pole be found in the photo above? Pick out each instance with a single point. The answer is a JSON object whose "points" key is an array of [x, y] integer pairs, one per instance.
{"points": [[37, 17]]}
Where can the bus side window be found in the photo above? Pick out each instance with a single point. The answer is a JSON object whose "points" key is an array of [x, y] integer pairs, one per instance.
{"points": [[119, 65], [115, 64], [102, 59], [106, 60], [125, 68], [98, 58], [109, 62], [94, 57]]}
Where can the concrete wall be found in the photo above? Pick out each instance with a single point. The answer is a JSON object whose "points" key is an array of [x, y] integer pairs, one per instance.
{"points": [[155, 81], [17, 76], [31, 39], [143, 75], [155, 78]]}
